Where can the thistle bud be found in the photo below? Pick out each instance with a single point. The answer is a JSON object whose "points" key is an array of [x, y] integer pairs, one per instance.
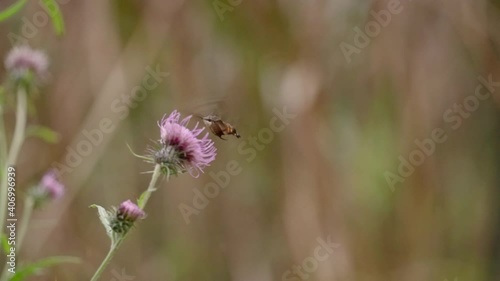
{"points": [[125, 216]]}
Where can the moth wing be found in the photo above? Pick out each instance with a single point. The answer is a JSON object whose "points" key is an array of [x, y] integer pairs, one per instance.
{"points": [[217, 128]]}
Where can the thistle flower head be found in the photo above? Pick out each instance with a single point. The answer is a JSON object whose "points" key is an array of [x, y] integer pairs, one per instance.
{"points": [[182, 149], [125, 216], [23, 60], [49, 188]]}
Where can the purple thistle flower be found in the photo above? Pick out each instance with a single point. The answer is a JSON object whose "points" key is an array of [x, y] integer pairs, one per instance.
{"points": [[51, 185], [22, 59], [181, 148]]}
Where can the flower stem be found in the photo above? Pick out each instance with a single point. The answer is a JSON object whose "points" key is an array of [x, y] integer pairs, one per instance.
{"points": [[15, 148], [3, 153], [3, 140], [151, 188], [27, 210], [29, 204], [107, 259], [116, 244]]}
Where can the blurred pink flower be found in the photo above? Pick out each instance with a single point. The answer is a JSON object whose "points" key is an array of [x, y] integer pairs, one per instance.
{"points": [[51, 185], [181, 148], [22, 59]]}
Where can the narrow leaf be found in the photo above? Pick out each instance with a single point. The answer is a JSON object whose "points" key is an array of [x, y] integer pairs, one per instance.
{"points": [[5, 243], [44, 133], [55, 14], [12, 9], [35, 268], [141, 198]]}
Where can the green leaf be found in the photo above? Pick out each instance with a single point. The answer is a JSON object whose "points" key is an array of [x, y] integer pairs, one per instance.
{"points": [[104, 217], [35, 268], [141, 198], [44, 133], [55, 14], [5, 243], [12, 9]]}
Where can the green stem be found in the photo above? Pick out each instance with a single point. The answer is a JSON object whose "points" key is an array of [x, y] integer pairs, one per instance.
{"points": [[107, 260], [3, 140], [151, 187], [142, 204], [12, 155], [21, 117], [27, 211], [29, 204], [3, 151], [15, 148]]}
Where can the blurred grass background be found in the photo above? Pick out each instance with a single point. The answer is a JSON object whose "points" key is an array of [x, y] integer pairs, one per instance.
{"points": [[321, 176]]}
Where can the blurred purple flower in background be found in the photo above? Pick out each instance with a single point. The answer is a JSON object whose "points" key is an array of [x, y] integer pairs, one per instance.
{"points": [[22, 59], [181, 148], [49, 188], [51, 185]]}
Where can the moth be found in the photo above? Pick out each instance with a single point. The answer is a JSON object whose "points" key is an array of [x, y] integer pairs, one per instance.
{"points": [[219, 127], [210, 112]]}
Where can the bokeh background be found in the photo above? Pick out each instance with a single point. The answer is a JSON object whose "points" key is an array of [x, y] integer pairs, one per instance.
{"points": [[322, 176]]}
